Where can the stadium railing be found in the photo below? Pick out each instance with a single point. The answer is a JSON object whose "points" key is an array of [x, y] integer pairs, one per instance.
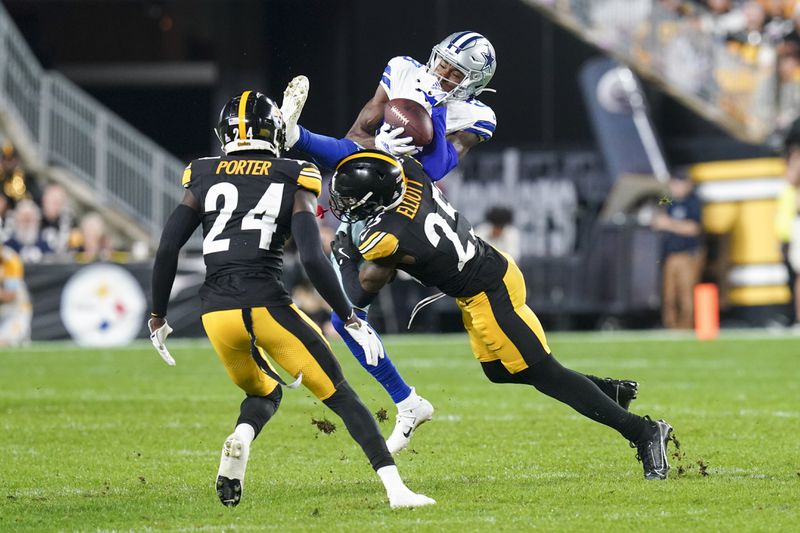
{"points": [[127, 173], [733, 86]]}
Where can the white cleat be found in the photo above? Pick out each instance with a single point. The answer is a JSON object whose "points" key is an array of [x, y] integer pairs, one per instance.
{"points": [[232, 465], [294, 98], [408, 420], [405, 499]]}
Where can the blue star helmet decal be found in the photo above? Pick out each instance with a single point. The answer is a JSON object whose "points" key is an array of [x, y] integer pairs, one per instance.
{"points": [[489, 58]]}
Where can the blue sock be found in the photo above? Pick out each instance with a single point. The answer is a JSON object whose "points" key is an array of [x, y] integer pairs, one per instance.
{"points": [[326, 151], [385, 372]]}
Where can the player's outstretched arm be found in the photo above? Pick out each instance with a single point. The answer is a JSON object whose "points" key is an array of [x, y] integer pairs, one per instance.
{"points": [[179, 227], [305, 231], [321, 274], [369, 118]]}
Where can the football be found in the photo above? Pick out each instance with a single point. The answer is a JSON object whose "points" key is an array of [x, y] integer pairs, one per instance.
{"points": [[412, 117]]}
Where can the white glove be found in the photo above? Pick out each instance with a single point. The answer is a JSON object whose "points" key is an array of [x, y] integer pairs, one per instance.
{"points": [[389, 140], [158, 337], [366, 337]]}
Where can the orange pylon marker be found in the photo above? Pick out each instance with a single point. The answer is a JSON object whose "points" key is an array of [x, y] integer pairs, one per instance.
{"points": [[706, 311]]}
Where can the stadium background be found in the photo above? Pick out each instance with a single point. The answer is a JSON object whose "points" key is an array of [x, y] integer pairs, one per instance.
{"points": [[111, 439], [167, 67], [341, 46]]}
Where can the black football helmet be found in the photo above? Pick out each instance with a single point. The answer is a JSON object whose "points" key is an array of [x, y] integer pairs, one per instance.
{"points": [[365, 184], [251, 121]]}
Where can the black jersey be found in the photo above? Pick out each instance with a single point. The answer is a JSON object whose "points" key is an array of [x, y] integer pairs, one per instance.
{"points": [[246, 202], [446, 252]]}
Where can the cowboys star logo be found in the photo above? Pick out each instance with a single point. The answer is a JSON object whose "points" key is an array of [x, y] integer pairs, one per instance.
{"points": [[488, 59]]}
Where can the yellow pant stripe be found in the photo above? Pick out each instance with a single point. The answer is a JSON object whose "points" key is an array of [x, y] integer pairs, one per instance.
{"points": [[228, 335], [290, 353], [489, 340]]}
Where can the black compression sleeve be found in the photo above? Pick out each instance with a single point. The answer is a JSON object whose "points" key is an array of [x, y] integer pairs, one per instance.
{"points": [[179, 227], [318, 269], [352, 285]]}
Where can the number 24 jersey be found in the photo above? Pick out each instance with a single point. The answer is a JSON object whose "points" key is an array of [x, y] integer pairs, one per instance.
{"points": [[246, 202]]}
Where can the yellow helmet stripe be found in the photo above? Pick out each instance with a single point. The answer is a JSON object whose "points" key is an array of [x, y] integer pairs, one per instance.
{"points": [[242, 108], [359, 155]]}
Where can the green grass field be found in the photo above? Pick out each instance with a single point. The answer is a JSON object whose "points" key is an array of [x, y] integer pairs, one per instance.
{"points": [[116, 440]]}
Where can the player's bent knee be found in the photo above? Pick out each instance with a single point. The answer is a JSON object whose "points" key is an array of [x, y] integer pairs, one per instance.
{"points": [[498, 373], [254, 385], [344, 401]]}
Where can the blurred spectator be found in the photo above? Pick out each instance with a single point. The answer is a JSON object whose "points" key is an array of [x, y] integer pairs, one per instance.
{"points": [[15, 305], [680, 253], [777, 20], [95, 243], [16, 184], [722, 20], [58, 223], [499, 231], [718, 7], [25, 237], [787, 220], [789, 84], [5, 218]]}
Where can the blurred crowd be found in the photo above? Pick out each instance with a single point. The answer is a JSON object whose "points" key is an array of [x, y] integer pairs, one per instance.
{"points": [[39, 223], [756, 33], [740, 56]]}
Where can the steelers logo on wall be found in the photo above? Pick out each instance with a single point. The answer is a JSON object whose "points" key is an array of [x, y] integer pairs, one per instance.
{"points": [[102, 305]]}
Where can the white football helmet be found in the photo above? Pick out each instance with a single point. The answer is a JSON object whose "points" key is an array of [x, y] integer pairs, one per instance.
{"points": [[473, 55]]}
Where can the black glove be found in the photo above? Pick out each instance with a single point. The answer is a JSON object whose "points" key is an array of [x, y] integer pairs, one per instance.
{"points": [[343, 249]]}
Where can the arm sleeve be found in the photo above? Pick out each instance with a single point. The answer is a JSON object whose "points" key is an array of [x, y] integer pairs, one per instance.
{"points": [[179, 227], [352, 286], [440, 156], [326, 151], [318, 269]]}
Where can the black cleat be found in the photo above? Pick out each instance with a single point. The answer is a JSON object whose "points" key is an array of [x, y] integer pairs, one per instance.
{"points": [[622, 391], [652, 451], [229, 491]]}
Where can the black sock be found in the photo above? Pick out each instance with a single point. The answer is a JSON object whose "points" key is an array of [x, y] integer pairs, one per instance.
{"points": [[575, 390], [257, 410], [361, 425]]}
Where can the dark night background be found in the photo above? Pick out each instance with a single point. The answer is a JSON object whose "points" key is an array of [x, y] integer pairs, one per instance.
{"points": [[342, 46]]}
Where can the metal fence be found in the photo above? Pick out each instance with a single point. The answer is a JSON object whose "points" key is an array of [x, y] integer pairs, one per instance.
{"points": [[686, 50], [127, 171]]}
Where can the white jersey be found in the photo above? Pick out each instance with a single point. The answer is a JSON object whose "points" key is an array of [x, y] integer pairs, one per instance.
{"points": [[405, 77]]}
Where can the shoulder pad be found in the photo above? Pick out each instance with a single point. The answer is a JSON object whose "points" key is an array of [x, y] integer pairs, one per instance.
{"points": [[411, 60], [309, 178], [377, 245], [396, 65]]}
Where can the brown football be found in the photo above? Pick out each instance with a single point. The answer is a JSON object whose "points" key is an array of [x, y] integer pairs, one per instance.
{"points": [[412, 117]]}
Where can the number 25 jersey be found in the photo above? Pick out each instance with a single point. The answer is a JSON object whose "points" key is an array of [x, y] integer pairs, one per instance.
{"points": [[246, 202], [446, 252]]}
